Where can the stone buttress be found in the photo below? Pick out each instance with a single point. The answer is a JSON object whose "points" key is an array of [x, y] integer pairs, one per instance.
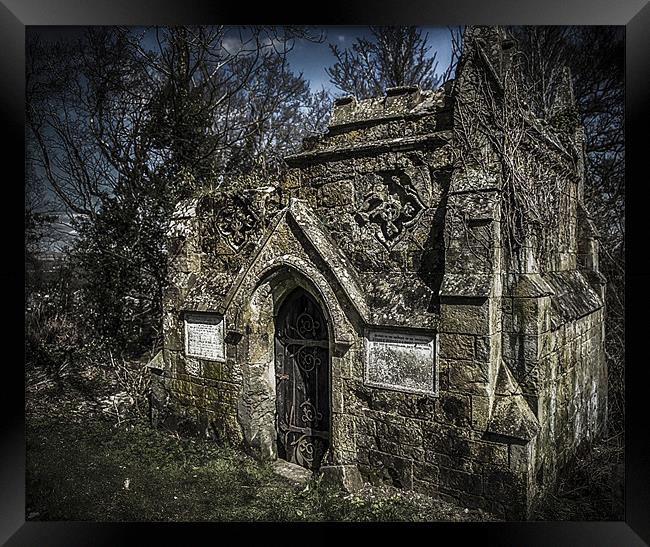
{"points": [[452, 370]]}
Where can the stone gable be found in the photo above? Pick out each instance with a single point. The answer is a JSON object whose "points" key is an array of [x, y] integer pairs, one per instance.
{"points": [[451, 361]]}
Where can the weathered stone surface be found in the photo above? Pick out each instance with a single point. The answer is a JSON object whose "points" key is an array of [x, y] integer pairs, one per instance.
{"points": [[511, 416], [468, 285], [399, 102], [454, 409], [292, 472], [470, 317], [460, 481], [391, 469], [574, 298], [401, 360], [456, 346], [481, 407], [345, 476], [495, 374], [468, 377]]}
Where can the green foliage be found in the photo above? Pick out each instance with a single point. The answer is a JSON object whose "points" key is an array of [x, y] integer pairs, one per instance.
{"points": [[134, 128], [53, 341], [122, 262], [90, 469]]}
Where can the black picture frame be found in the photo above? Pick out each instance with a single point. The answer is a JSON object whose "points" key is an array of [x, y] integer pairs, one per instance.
{"points": [[15, 15]]}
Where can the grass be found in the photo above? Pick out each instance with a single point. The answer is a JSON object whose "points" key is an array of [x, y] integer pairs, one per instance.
{"points": [[83, 466], [103, 472], [95, 471], [590, 487]]}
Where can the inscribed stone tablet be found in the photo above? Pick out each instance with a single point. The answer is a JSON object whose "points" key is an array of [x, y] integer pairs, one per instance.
{"points": [[204, 336], [402, 361]]}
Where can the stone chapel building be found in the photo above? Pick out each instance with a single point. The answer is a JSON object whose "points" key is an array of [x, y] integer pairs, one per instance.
{"points": [[364, 315]]}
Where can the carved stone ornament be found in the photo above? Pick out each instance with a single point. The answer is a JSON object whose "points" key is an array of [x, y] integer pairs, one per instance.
{"points": [[391, 208], [227, 218]]}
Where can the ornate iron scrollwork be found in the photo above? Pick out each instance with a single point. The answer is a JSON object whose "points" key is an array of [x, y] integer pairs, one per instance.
{"points": [[305, 327], [302, 373], [390, 208], [310, 415]]}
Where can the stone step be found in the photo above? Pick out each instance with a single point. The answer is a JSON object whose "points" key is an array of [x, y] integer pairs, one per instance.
{"points": [[291, 471]]}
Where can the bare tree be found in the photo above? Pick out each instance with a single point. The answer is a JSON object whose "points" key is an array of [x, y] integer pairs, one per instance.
{"points": [[125, 122], [394, 56], [595, 57]]}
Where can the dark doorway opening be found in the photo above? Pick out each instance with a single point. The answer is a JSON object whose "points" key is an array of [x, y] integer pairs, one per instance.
{"points": [[302, 371]]}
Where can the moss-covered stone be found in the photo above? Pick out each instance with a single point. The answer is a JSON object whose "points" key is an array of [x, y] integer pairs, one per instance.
{"points": [[395, 221]]}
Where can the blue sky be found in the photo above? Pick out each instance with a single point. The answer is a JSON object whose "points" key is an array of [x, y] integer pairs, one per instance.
{"points": [[307, 57], [312, 58]]}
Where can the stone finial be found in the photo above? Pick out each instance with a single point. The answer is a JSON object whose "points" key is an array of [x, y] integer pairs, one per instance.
{"points": [[564, 97], [402, 98], [492, 37], [344, 101], [564, 115], [402, 90], [494, 43]]}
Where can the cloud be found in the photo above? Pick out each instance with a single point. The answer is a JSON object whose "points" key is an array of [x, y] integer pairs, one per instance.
{"points": [[231, 45], [341, 38]]}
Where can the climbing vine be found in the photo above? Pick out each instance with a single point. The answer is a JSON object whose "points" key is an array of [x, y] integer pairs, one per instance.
{"points": [[495, 131]]}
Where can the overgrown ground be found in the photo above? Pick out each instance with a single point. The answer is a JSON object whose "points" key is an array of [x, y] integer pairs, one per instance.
{"points": [[591, 487], [85, 464]]}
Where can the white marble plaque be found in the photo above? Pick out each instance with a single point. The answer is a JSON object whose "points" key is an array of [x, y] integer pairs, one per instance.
{"points": [[204, 336], [401, 361]]}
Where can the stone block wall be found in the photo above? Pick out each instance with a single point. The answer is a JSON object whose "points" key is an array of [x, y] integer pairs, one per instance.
{"points": [[381, 223], [553, 344], [572, 397], [201, 397], [435, 445], [343, 175]]}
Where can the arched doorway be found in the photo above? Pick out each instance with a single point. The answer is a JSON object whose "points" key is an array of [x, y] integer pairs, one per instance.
{"points": [[302, 372]]}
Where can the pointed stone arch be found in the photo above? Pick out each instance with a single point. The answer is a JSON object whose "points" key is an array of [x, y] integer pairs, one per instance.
{"points": [[252, 313]]}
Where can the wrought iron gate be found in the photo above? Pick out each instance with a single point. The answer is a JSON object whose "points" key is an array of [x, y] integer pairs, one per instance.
{"points": [[302, 380]]}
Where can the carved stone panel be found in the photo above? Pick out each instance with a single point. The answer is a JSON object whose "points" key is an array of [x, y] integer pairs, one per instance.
{"points": [[204, 336], [390, 207], [401, 361], [230, 219]]}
